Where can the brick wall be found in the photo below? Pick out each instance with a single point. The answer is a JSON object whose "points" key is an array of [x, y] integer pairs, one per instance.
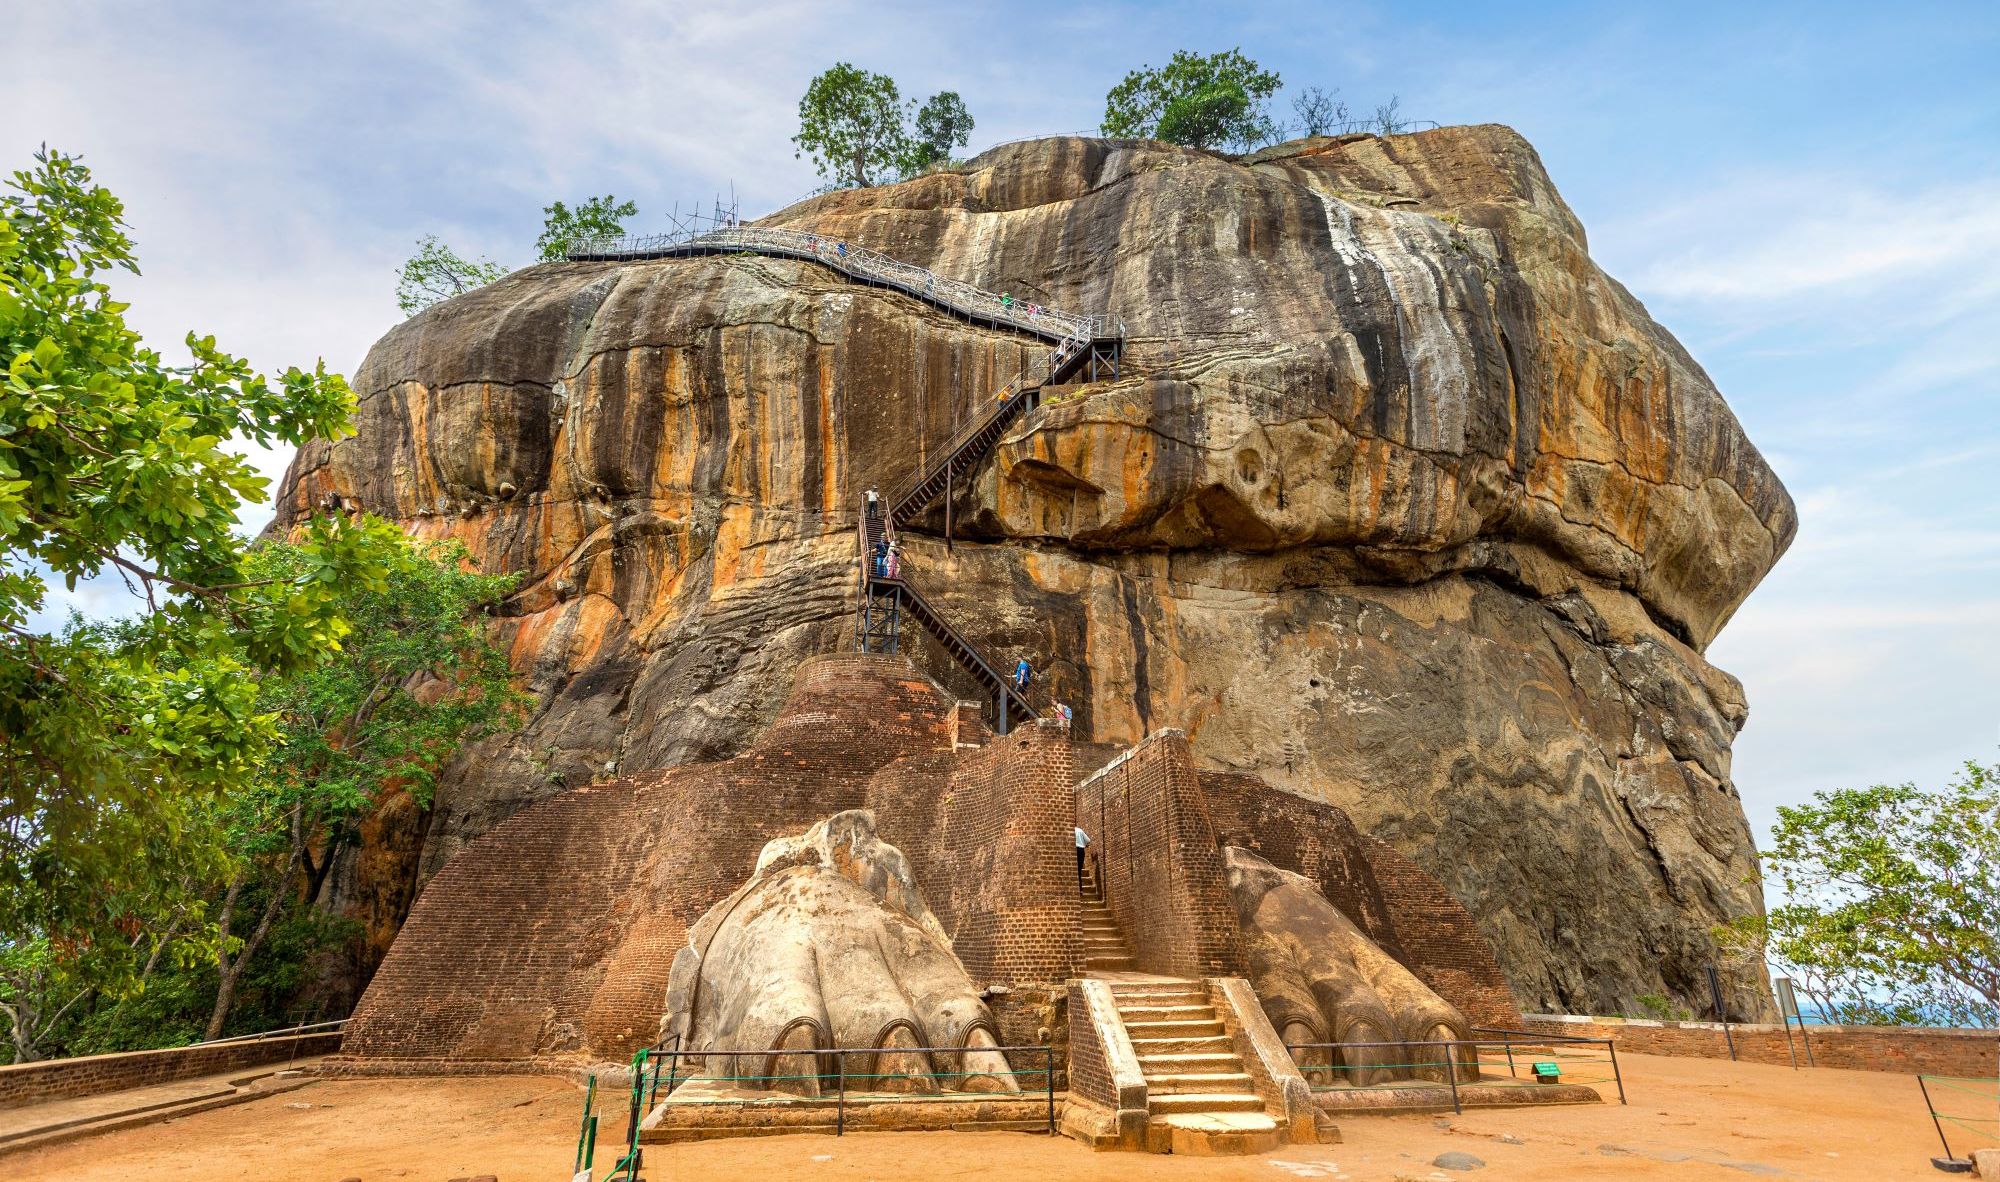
{"points": [[1089, 1071], [988, 834], [1161, 866], [554, 933], [1931, 1051], [22, 1084], [1396, 902]]}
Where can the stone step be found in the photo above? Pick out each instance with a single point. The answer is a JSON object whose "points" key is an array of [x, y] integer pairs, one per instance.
{"points": [[1111, 964], [1125, 1005], [1182, 1028], [1165, 1013], [1163, 988], [1205, 1102], [1209, 1082], [1214, 1134], [1196, 1045], [1189, 1062], [1121, 997]]}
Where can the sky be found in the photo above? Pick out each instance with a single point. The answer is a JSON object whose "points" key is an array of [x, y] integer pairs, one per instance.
{"points": [[1807, 195]]}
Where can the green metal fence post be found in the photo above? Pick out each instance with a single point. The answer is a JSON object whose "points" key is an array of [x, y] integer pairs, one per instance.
{"points": [[1049, 1080]]}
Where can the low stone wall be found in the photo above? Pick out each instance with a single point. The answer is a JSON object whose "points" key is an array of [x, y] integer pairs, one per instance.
{"points": [[22, 1084], [1908, 1049]]}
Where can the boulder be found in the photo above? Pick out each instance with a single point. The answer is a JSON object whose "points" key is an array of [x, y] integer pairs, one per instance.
{"points": [[1396, 500]]}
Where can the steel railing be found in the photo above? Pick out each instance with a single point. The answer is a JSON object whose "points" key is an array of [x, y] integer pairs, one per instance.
{"points": [[976, 303], [841, 1076], [280, 1032], [647, 1087], [1331, 1066]]}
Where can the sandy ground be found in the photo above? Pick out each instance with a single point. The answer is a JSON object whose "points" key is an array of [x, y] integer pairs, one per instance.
{"points": [[1689, 1118]]}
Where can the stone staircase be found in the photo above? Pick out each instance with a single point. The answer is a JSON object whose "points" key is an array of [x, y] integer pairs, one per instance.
{"points": [[1200, 1097], [1104, 946]]}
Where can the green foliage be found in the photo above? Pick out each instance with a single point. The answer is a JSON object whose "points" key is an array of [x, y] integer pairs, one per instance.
{"points": [[1663, 1008], [417, 679], [851, 124], [1201, 101], [1892, 902], [111, 739], [942, 124], [598, 217], [437, 272]]}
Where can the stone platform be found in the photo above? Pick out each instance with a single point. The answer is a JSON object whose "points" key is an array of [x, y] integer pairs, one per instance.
{"points": [[701, 1112]]}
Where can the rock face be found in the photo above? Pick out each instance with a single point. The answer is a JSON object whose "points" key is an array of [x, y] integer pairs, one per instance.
{"points": [[1398, 502]]}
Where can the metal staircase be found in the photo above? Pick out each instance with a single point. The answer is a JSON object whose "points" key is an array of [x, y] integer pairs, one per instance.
{"points": [[1087, 344], [887, 599]]}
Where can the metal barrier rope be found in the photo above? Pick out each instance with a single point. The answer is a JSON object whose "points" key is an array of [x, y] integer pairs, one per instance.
{"points": [[1976, 1125], [1556, 1048]]}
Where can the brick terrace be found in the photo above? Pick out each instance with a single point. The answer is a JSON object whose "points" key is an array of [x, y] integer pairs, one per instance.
{"points": [[551, 938]]}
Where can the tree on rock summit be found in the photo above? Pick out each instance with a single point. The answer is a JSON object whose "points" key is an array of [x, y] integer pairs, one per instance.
{"points": [[1202, 102], [942, 124], [599, 217], [851, 123]]}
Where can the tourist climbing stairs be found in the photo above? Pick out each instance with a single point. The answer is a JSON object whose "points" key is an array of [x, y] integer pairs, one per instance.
{"points": [[1013, 707]]}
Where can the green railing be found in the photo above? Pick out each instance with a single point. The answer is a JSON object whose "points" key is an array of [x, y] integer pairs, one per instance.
{"points": [[1952, 1099], [646, 1084], [834, 1073], [658, 1069], [1506, 1058]]}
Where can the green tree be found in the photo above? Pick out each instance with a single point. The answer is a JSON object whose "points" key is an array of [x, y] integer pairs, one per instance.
{"points": [[112, 460], [1201, 101], [417, 679], [942, 124], [851, 124], [437, 272], [1892, 901], [598, 217]]}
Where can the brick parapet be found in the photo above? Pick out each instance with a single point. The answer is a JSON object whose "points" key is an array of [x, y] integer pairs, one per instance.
{"points": [[22, 1084], [1911, 1049], [1160, 864]]}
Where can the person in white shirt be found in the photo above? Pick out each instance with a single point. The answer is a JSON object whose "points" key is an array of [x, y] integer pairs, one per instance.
{"points": [[1082, 841]]}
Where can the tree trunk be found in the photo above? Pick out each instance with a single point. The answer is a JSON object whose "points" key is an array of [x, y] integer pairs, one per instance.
{"points": [[230, 969]]}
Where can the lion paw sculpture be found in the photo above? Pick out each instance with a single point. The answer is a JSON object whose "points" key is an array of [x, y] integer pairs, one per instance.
{"points": [[1323, 981], [831, 944]]}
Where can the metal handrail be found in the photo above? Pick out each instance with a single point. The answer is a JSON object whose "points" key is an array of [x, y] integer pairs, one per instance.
{"points": [[997, 308], [280, 1032], [1047, 1071], [1037, 373], [1506, 1044]]}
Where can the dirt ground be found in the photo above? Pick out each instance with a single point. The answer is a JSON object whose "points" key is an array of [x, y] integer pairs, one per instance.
{"points": [[1689, 1119]]}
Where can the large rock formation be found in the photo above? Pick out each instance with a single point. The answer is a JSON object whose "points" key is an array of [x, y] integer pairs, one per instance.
{"points": [[1399, 502]]}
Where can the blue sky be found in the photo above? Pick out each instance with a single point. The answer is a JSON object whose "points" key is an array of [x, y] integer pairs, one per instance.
{"points": [[1808, 195]]}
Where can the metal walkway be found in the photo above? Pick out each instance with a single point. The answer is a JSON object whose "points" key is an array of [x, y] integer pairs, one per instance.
{"points": [[1078, 343]]}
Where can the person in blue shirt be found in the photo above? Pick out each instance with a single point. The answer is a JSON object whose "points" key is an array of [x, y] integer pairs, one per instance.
{"points": [[1021, 675]]}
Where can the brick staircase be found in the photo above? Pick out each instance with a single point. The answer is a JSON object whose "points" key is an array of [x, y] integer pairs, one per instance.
{"points": [[1104, 946], [1200, 1096]]}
